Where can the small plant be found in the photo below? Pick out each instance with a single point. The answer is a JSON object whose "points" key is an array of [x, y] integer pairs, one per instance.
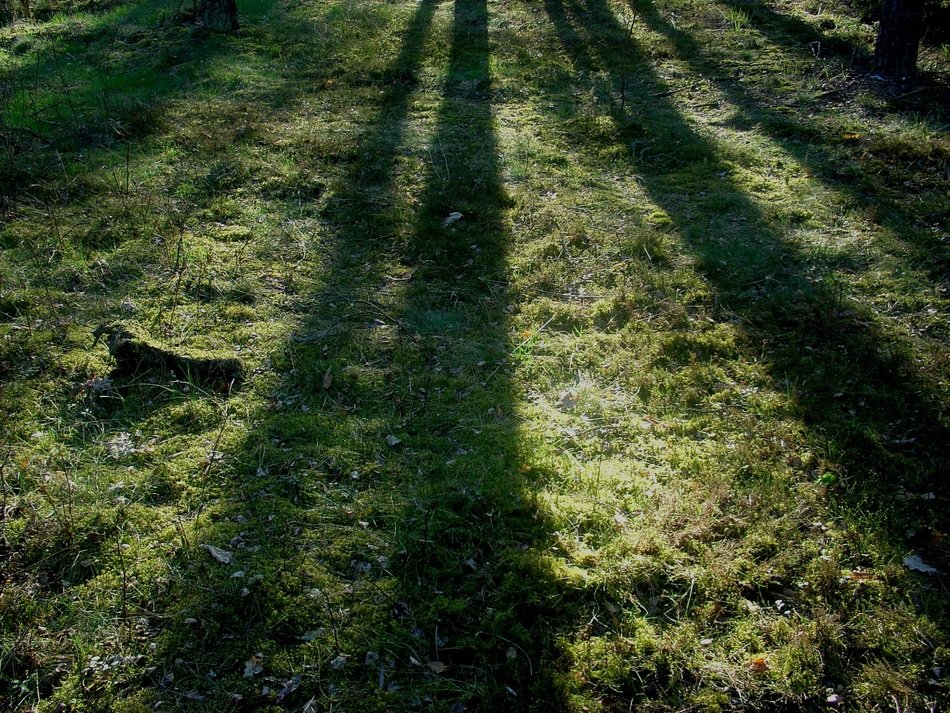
{"points": [[737, 19]]}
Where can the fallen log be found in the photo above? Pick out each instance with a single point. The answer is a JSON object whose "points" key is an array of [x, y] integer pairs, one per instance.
{"points": [[134, 355]]}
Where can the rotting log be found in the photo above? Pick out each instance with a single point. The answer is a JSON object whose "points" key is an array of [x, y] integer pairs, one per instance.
{"points": [[135, 355]]}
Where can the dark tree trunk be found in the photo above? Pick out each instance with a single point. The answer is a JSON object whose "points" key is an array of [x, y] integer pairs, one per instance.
{"points": [[218, 15], [9, 11], [6, 12], [898, 39]]}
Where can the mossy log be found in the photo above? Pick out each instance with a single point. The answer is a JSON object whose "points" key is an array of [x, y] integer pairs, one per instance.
{"points": [[135, 355]]}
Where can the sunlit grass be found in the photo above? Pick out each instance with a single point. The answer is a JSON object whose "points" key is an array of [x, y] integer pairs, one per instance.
{"points": [[652, 425]]}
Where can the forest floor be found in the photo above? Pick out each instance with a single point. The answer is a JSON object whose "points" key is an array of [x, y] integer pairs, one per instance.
{"points": [[595, 358]]}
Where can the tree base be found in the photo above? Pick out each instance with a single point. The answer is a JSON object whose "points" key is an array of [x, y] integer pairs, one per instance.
{"points": [[898, 39], [219, 15]]}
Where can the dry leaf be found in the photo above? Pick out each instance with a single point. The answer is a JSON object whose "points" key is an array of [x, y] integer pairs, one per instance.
{"points": [[758, 665], [392, 440], [917, 564], [120, 446], [567, 401], [327, 379], [437, 667], [222, 556], [289, 687], [254, 665]]}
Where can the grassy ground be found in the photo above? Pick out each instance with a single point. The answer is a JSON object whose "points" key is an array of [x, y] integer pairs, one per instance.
{"points": [[654, 425]]}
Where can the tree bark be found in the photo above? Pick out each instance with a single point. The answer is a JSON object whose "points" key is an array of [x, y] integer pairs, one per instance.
{"points": [[898, 39], [6, 12], [219, 15]]}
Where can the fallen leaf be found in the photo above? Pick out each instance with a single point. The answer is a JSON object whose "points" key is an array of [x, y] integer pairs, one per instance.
{"points": [[338, 663], [327, 379], [289, 687], [568, 401], [222, 556], [437, 667], [120, 446], [392, 440], [452, 218], [254, 665], [917, 564], [758, 665]]}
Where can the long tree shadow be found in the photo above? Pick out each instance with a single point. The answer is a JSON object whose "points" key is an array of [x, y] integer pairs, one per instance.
{"points": [[853, 382], [380, 511], [829, 157], [802, 35], [478, 592]]}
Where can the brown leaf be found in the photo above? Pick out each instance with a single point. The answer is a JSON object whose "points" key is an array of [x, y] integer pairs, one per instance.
{"points": [[568, 401], [254, 665], [219, 555], [759, 664], [438, 667]]}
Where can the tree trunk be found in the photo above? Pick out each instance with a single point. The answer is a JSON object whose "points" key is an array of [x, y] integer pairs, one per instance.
{"points": [[898, 39], [218, 15], [6, 12]]}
